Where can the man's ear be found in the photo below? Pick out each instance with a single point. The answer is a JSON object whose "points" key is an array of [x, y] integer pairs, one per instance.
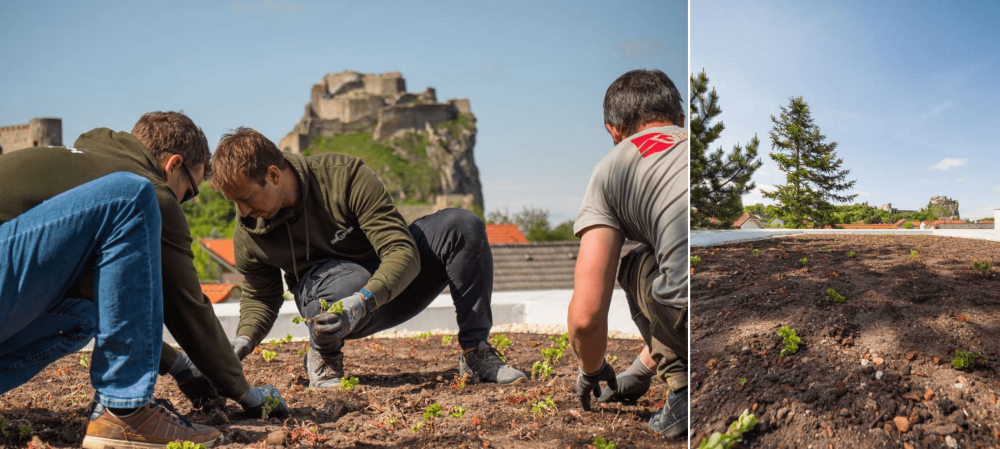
{"points": [[273, 174], [171, 162], [615, 135]]}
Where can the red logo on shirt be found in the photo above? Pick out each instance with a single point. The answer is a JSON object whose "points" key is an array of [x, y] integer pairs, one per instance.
{"points": [[650, 144]]}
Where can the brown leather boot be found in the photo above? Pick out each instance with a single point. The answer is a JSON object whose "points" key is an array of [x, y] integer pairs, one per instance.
{"points": [[153, 425]]}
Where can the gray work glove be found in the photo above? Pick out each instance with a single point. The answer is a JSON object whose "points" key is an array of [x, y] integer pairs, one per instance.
{"points": [[194, 385], [587, 384], [632, 384], [259, 397], [242, 346], [333, 327]]}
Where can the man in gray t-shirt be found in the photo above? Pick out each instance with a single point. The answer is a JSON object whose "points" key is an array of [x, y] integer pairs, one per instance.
{"points": [[637, 192]]}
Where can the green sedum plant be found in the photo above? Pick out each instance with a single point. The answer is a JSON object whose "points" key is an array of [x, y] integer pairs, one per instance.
{"points": [[803, 261], [601, 443], [501, 343], [268, 355], [965, 360], [695, 260], [850, 254], [733, 436], [541, 370], [348, 382], [833, 296]]}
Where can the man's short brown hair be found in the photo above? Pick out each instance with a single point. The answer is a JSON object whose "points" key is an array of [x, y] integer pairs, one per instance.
{"points": [[167, 133], [244, 153]]}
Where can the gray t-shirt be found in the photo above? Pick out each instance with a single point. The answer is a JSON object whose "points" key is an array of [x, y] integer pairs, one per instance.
{"points": [[641, 189]]}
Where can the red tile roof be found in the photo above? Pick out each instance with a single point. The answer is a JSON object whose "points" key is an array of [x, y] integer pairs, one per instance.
{"points": [[868, 226], [504, 233], [223, 248], [218, 292]]}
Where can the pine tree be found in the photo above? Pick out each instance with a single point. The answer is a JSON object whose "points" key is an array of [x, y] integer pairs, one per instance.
{"points": [[718, 180], [811, 166]]}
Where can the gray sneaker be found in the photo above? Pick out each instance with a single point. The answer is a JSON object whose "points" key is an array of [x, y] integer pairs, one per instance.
{"points": [[672, 421], [324, 372], [485, 364]]}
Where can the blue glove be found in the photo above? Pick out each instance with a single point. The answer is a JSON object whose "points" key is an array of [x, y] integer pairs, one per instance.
{"points": [[332, 327], [260, 397]]}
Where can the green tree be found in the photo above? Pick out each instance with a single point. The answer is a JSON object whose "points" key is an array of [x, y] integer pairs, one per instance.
{"points": [[812, 169], [534, 224], [209, 215], [718, 179]]}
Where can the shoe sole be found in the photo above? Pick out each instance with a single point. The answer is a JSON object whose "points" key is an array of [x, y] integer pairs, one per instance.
{"points": [[90, 442]]}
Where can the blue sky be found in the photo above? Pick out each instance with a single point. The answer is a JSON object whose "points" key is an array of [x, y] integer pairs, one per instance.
{"points": [[535, 72], [908, 89]]}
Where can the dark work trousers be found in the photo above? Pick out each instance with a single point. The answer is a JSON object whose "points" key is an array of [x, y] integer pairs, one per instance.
{"points": [[663, 327], [454, 252]]}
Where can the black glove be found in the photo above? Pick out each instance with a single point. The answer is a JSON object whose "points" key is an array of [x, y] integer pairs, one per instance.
{"points": [[242, 346], [260, 397], [332, 327], [632, 384], [194, 385], [589, 383]]}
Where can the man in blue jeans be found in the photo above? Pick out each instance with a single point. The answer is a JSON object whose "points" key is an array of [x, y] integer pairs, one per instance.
{"points": [[109, 226]]}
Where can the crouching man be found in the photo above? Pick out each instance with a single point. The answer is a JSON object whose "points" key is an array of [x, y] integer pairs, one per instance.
{"points": [[330, 225], [638, 192]]}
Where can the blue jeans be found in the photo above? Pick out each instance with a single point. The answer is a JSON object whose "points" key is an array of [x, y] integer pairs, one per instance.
{"points": [[109, 227]]}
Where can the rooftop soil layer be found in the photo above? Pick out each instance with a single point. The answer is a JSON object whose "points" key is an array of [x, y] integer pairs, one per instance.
{"points": [[398, 378], [872, 371]]}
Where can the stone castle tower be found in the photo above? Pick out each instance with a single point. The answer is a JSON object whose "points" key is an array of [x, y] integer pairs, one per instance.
{"points": [[37, 132]]}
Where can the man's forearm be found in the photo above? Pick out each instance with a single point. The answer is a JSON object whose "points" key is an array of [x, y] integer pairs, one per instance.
{"points": [[590, 345]]}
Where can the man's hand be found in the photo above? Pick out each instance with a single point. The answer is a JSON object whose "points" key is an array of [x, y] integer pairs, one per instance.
{"points": [[332, 327], [587, 384], [194, 385], [242, 346], [632, 384], [259, 398]]}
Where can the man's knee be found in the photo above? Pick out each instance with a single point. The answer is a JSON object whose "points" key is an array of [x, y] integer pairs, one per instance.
{"points": [[464, 222], [330, 280]]}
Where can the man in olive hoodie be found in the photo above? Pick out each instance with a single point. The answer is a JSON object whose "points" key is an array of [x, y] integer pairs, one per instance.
{"points": [[330, 225]]}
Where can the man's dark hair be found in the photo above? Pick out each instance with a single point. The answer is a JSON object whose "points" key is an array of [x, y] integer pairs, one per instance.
{"points": [[167, 133], [641, 97], [244, 153]]}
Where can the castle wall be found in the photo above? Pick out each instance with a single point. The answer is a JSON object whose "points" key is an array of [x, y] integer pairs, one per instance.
{"points": [[462, 105], [386, 84], [347, 109], [38, 132], [398, 118]]}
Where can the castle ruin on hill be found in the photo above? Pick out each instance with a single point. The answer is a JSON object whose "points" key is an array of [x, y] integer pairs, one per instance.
{"points": [[429, 137], [37, 132]]}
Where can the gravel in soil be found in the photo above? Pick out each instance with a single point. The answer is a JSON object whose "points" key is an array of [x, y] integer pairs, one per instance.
{"points": [[875, 370], [398, 379]]}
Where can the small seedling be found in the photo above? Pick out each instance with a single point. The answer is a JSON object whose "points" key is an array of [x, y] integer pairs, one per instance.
{"points": [[983, 268], [850, 254], [270, 404], [446, 340], [833, 296], [913, 253], [543, 406], [431, 413], [553, 355], [416, 427], [184, 445], [824, 250], [695, 260], [25, 431], [541, 370], [268, 355], [562, 340], [459, 382], [733, 436], [612, 359], [743, 381], [601, 443], [457, 412], [750, 245], [348, 382], [803, 261], [791, 341], [755, 252], [501, 343], [968, 359], [337, 308], [83, 360], [297, 320]]}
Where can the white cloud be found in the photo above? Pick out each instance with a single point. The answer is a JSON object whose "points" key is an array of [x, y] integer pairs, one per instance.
{"points": [[862, 194], [937, 109], [756, 195], [962, 179], [949, 163], [997, 188]]}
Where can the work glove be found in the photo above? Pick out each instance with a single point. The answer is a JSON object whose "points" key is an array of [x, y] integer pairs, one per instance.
{"points": [[242, 346], [332, 327], [194, 385], [260, 397], [587, 384], [632, 384]]}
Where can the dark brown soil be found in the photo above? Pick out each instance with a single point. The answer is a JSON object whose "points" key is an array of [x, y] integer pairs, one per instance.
{"points": [[866, 368], [398, 378]]}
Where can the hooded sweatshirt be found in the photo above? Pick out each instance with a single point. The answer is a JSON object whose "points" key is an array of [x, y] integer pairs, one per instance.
{"points": [[33, 175], [343, 212]]}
